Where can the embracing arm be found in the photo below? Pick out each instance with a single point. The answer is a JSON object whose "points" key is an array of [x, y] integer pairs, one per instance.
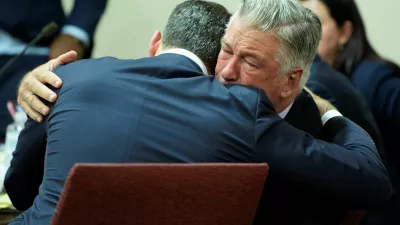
{"points": [[349, 168], [25, 173]]}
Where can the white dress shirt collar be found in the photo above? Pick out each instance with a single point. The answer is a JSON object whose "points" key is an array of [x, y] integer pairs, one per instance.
{"points": [[285, 111], [190, 55], [327, 116]]}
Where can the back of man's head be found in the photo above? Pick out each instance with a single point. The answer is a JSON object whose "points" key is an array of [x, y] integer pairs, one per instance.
{"points": [[197, 26]]}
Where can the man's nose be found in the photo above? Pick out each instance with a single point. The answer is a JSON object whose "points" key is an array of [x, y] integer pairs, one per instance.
{"points": [[231, 73]]}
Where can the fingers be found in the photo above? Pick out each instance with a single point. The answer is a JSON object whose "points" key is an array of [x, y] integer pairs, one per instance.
{"points": [[47, 77], [306, 88], [29, 91], [33, 101], [30, 112], [63, 59], [309, 91], [32, 84]]}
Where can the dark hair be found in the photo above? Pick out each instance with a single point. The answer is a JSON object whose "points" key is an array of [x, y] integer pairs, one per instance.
{"points": [[357, 48], [197, 26]]}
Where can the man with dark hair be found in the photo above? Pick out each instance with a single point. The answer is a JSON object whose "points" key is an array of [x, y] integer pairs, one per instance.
{"points": [[201, 34], [78, 132]]}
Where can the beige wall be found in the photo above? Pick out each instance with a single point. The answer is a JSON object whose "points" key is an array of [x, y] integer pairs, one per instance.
{"points": [[128, 25], [382, 21]]}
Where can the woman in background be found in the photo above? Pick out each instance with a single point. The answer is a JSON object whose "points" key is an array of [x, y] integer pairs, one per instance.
{"points": [[345, 46]]}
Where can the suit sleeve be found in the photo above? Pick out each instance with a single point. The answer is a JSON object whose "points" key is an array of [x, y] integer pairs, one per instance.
{"points": [[349, 168], [25, 173], [86, 14]]}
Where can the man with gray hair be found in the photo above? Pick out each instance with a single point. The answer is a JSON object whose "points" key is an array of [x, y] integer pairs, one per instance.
{"points": [[271, 44]]}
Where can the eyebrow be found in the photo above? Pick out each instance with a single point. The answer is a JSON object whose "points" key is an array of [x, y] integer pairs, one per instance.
{"points": [[225, 42], [258, 57]]}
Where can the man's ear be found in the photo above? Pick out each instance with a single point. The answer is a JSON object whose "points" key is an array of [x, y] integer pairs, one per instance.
{"points": [[155, 43], [292, 82]]}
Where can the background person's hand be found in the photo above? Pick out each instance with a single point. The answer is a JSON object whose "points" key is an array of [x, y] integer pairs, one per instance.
{"points": [[33, 86], [65, 43]]}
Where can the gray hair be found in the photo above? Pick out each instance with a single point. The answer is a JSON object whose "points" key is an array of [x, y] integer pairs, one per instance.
{"points": [[197, 26], [297, 28]]}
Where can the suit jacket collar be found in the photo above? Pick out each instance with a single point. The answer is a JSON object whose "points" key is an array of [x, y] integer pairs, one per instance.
{"points": [[285, 111], [304, 115], [190, 55]]}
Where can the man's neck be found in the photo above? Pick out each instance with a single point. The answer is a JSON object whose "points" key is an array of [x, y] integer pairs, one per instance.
{"points": [[188, 54], [284, 106], [285, 111]]}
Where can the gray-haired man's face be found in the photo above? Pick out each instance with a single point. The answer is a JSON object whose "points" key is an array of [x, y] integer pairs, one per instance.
{"points": [[248, 57]]}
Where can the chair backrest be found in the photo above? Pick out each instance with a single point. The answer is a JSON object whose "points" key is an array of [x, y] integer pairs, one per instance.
{"points": [[354, 217], [162, 194]]}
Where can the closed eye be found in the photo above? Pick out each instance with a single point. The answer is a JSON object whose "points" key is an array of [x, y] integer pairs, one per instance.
{"points": [[250, 64], [227, 51]]}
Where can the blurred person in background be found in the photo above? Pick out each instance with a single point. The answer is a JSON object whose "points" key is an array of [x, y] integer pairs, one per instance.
{"points": [[22, 20], [333, 86], [345, 46]]}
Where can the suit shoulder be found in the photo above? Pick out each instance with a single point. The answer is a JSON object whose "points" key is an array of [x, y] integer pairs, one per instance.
{"points": [[368, 69], [86, 70], [248, 95], [254, 98], [370, 65], [324, 72], [85, 63], [369, 75]]}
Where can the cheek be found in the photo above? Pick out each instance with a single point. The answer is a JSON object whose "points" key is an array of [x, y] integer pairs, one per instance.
{"points": [[253, 79], [272, 87], [329, 40], [221, 64]]}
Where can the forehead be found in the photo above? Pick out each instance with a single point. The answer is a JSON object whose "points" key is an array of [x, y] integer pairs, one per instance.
{"points": [[239, 35]]}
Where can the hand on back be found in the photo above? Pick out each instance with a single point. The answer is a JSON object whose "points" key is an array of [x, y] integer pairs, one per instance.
{"points": [[33, 86], [322, 104]]}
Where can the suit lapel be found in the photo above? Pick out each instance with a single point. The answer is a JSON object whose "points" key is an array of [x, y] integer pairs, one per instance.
{"points": [[304, 115]]}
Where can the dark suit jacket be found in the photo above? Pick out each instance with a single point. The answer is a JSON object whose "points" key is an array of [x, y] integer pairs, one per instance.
{"points": [[337, 89], [379, 82], [288, 203], [304, 115], [24, 19], [163, 109]]}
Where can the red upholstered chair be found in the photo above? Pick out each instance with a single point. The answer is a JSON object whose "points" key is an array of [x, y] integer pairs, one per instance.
{"points": [[161, 194], [354, 217]]}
